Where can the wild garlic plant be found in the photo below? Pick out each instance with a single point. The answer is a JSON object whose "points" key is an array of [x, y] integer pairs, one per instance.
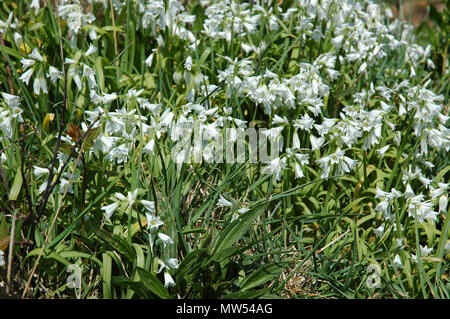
{"points": [[117, 113]]}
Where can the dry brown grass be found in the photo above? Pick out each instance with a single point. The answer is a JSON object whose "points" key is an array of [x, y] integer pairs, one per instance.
{"points": [[417, 9]]}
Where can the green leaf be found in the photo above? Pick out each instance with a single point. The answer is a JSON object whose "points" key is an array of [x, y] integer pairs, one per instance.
{"points": [[234, 231], [47, 119], [99, 72], [17, 185], [35, 27], [4, 233], [65, 148], [67, 231], [194, 230], [11, 52], [153, 284], [136, 286], [140, 259], [251, 294], [52, 255], [114, 242], [263, 275], [111, 28], [3, 226], [442, 243], [90, 137], [78, 254], [225, 253], [106, 275], [192, 262]]}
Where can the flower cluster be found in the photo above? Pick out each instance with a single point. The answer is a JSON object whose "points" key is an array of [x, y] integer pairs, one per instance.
{"points": [[329, 104]]}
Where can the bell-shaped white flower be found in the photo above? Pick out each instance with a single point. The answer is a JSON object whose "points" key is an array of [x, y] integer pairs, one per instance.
{"points": [[223, 202], [110, 209]]}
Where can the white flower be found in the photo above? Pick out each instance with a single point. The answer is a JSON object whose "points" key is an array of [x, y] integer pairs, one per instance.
{"points": [[168, 280], [93, 35], [295, 141], [73, 14], [153, 222], [165, 239], [166, 118], [177, 76], [39, 171], [36, 55], [92, 49], [134, 93], [383, 150], [12, 100], [397, 261], [104, 144], [362, 68], [239, 212], [110, 209], [148, 148], [275, 167], [172, 263], [243, 210], [149, 60], [424, 252], [25, 77], [26, 63], [166, 265], [188, 63], [108, 98], [316, 142], [89, 74], [298, 171], [305, 123], [54, 74], [279, 120], [223, 202], [150, 206], [345, 164], [131, 197], [8, 24], [35, 4], [40, 84], [420, 209], [443, 201], [379, 231]]}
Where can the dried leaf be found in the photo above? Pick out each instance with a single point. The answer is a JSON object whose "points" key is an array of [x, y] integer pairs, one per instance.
{"points": [[74, 132]]}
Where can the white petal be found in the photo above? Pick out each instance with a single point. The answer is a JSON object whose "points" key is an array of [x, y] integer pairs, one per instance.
{"points": [[148, 205], [110, 209]]}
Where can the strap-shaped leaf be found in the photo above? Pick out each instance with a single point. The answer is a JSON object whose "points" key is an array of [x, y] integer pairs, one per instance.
{"points": [[153, 284], [263, 275], [234, 231], [17, 185]]}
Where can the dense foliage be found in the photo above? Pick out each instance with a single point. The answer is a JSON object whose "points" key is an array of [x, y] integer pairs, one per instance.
{"points": [[97, 95]]}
